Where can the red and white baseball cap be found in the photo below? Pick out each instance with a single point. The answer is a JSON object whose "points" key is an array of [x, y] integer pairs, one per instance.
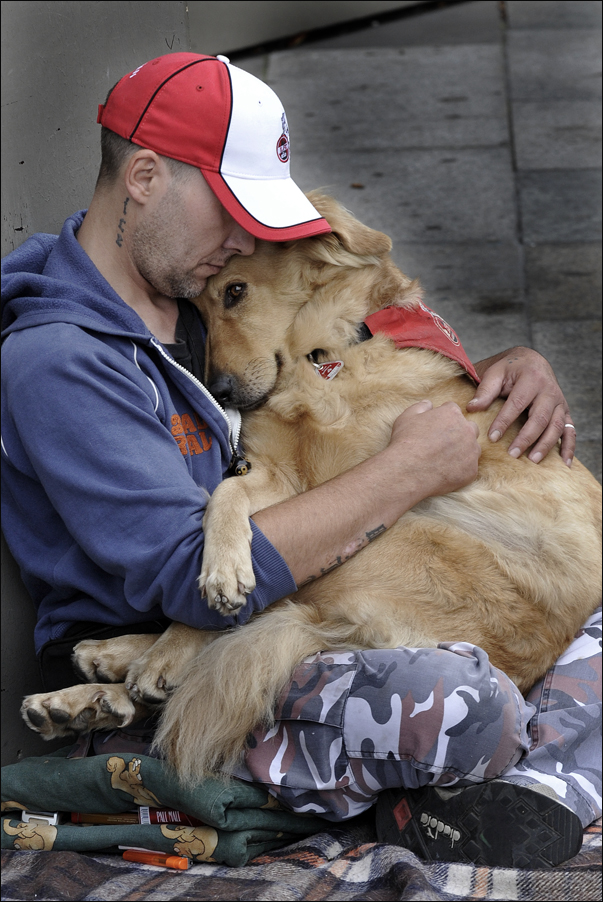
{"points": [[203, 111]]}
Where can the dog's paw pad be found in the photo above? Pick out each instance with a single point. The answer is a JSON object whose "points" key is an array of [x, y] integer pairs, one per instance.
{"points": [[59, 716], [77, 709], [35, 717]]}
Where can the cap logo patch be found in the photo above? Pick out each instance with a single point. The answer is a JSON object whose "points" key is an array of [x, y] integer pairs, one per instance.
{"points": [[282, 145], [282, 148]]}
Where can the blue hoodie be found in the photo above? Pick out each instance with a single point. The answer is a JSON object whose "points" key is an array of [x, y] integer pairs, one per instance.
{"points": [[110, 451]]}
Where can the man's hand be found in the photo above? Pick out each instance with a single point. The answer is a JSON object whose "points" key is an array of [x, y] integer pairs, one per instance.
{"points": [[527, 381], [435, 446]]}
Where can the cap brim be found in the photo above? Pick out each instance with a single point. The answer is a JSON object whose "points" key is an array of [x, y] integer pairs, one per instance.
{"points": [[270, 209]]}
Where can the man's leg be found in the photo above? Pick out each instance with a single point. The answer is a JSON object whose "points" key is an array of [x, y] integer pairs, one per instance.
{"points": [[356, 726], [534, 814], [350, 725], [565, 755]]}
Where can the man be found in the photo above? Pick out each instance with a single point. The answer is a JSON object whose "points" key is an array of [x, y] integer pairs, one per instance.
{"points": [[112, 443]]}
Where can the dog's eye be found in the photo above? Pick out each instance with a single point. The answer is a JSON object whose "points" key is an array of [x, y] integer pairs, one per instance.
{"points": [[233, 293]]}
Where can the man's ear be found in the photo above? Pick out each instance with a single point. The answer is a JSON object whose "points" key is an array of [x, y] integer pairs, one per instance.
{"points": [[145, 170]]}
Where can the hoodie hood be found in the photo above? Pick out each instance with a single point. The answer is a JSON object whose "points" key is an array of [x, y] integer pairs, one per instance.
{"points": [[51, 278]]}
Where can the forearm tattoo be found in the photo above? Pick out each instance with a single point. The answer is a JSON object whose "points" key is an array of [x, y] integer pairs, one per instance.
{"points": [[340, 559]]}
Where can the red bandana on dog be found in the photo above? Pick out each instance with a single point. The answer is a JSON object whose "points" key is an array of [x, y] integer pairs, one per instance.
{"points": [[420, 327]]}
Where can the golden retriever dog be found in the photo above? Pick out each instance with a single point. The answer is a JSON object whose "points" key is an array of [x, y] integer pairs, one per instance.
{"points": [[511, 562]]}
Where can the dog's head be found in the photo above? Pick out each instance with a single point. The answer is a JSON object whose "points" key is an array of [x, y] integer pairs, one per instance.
{"points": [[286, 301]]}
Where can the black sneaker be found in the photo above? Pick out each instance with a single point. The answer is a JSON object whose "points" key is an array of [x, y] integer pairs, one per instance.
{"points": [[495, 824]]}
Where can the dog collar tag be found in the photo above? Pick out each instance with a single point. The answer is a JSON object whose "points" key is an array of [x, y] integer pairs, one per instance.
{"points": [[239, 466], [328, 370]]}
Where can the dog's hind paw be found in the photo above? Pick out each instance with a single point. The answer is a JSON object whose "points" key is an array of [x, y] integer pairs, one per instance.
{"points": [[79, 709], [153, 676], [108, 660]]}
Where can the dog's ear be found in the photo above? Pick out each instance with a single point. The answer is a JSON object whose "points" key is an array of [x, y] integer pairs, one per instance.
{"points": [[352, 235]]}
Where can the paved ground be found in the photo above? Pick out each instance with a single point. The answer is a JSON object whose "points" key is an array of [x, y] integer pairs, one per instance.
{"points": [[471, 135]]}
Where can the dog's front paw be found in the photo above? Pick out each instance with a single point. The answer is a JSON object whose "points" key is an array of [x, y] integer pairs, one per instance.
{"points": [[227, 576], [227, 586], [78, 709]]}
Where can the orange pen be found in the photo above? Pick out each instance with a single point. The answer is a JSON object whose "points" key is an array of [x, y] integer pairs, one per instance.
{"points": [[157, 858]]}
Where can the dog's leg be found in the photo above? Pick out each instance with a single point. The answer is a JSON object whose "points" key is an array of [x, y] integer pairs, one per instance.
{"points": [[162, 667], [108, 660], [79, 709], [159, 665], [227, 575], [150, 665], [94, 706]]}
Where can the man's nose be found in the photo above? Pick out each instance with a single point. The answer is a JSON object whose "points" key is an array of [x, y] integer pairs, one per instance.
{"points": [[240, 241]]}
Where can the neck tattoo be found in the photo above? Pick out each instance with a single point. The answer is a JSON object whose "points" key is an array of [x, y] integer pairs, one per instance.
{"points": [[121, 225]]}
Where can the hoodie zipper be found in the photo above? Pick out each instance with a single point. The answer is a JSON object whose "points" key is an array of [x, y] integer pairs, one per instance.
{"points": [[234, 431]]}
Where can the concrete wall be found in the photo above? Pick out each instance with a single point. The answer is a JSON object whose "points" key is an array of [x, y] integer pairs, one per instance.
{"points": [[250, 22], [59, 59]]}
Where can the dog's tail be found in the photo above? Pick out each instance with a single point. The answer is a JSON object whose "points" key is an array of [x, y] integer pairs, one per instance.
{"points": [[232, 687]]}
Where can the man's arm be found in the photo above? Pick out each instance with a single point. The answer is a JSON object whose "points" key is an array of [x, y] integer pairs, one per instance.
{"points": [[431, 452], [527, 381]]}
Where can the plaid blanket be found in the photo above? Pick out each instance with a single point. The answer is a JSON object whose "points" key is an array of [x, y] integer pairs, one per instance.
{"points": [[340, 863]]}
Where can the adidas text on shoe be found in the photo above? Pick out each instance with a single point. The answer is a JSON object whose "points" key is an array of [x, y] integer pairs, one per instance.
{"points": [[495, 824]]}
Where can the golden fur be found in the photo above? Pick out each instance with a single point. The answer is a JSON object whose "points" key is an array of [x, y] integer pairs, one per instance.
{"points": [[511, 563]]}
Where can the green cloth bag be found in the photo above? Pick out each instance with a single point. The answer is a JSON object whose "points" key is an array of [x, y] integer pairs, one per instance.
{"points": [[240, 820]]}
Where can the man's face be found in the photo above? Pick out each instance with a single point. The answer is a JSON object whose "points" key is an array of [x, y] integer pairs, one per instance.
{"points": [[185, 236]]}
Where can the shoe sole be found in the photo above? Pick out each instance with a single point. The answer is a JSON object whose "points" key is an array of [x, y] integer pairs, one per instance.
{"points": [[494, 824]]}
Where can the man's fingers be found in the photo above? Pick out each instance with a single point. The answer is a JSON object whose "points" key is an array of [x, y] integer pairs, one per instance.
{"points": [[568, 441], [543, 432], [549, 439], [509, 412], [527, 381], [419, 407], [540, 423], [488, 391]]}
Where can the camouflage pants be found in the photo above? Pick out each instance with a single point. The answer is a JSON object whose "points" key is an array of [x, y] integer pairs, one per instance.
{"points": [[350, 725]]}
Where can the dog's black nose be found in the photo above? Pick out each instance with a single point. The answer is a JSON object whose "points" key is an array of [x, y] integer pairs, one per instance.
{"points": [[222, 387]]}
